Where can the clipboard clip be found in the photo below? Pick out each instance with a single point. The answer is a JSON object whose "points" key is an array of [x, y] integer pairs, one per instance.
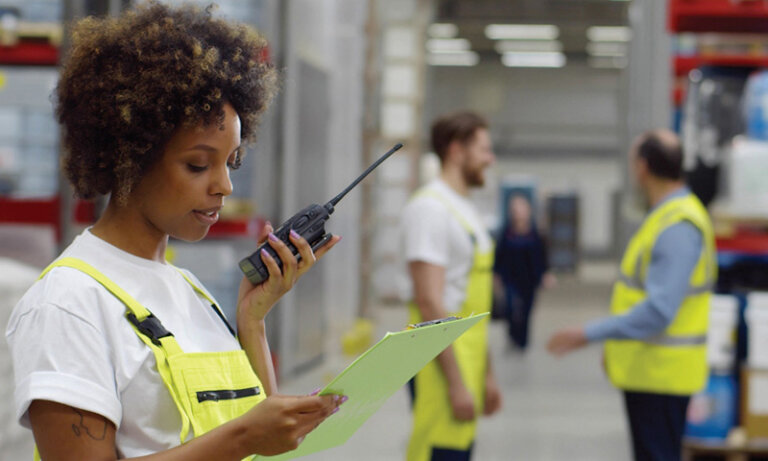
{"points": [[413, 326]]}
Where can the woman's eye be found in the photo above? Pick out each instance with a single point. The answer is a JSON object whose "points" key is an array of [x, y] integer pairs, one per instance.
{"points": [[235, 164], [196, 168]]}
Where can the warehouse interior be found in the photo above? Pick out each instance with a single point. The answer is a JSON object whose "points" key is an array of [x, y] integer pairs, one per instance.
{"points": [[566, 86]]}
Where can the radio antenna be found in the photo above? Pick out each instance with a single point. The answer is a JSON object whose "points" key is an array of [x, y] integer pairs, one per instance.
{"points": [[336, 199]]}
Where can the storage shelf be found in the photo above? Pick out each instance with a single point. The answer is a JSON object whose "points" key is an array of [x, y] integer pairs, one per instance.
{"points": [[45, 212], [744, 243], [685, 64], [29, 53], [718, 16], [239, 227], [42, 211]]}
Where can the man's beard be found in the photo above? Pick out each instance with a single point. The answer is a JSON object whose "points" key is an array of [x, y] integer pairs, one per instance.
{"points": [[474, 177]]}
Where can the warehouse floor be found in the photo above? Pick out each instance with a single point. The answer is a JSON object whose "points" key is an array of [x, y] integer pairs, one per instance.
{"points": [[554, 409]]}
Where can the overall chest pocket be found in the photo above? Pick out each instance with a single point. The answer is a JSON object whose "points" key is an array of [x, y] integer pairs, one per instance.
{"points": [[215, 387]]}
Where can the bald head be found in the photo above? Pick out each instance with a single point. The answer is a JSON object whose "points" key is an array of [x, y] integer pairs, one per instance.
{"points": [[662, 152]]}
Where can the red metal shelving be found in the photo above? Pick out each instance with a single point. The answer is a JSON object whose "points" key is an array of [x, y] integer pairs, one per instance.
{"points": [[725, 16], [42, 211], [45, 212], [237, 227], [745, 242], [746, 16], [31, 53], [685, 64]]}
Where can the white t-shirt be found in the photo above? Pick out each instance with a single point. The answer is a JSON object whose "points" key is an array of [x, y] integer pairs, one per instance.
{"points": [[432, 233], [72, 344]]}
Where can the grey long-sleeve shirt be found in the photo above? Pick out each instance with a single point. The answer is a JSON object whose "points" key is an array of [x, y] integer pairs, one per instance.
{"points": [[673, 258]]}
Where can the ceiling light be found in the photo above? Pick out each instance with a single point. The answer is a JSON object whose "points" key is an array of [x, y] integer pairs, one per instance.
{"points": [[447, 45], [506, 46], [443, 30], [609, 34], [607, 62], [522, 31], [531, 59], [606, 49], [460, 58]]}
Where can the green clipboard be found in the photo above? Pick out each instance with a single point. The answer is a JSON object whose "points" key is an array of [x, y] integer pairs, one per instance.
{"points": [[374, 376]]}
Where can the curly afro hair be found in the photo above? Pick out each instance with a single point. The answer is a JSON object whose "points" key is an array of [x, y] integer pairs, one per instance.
{"points": [[130, 82]]}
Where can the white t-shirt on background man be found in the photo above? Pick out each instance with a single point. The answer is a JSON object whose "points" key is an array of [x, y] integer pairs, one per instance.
{"points": [[72, 344], [431, 233]]}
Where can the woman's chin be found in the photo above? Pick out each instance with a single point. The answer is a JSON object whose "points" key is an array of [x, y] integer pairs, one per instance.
{"points": [[190, 236]]}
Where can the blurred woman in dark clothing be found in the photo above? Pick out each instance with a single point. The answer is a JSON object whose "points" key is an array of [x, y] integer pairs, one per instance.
{"points": [[521, 267]]}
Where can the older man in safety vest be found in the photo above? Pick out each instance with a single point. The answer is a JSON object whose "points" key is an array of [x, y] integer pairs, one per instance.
{"points": [[655, 347]]}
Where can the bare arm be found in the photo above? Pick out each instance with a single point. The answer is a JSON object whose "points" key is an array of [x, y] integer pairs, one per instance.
{"points": [[255, 302], [253, 339], [428, 283], [493, 397], [276, 425]]}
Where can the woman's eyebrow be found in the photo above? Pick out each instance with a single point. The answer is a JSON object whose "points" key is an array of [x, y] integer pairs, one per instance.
{"points": [[204, 147]]}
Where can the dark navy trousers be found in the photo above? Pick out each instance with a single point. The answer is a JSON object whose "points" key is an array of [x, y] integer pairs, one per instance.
{"points": [[656, 422]]}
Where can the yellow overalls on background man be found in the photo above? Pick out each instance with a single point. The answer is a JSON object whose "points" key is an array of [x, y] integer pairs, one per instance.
{"points": [[433, 421], [209, 388]]}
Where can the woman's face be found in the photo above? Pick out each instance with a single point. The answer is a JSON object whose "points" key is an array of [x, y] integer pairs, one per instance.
{"points": [[520, 213], [181, 194]]}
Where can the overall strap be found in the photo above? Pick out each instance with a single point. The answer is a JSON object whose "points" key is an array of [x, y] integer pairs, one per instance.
{"points": [[462, 220], [145, 324], [205, 295]]}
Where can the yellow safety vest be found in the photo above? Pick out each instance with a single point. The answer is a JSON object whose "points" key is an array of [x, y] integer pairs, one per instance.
{"points": [[674, 362], [208, 388], [433, 421]]}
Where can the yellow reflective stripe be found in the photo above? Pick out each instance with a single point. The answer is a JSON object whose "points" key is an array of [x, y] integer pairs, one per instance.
{"points": [[631, 282], [637, 284], [676, 341]]}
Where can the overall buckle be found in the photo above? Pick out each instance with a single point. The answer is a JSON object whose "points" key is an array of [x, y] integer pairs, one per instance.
{"points": [[150, 327]]}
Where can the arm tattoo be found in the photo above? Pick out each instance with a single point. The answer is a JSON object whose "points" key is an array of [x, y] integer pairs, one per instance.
{"points": [[81, 428]]}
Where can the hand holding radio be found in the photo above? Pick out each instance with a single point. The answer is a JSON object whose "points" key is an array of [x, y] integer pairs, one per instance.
{"points": [[257, 300], [308, 223]]}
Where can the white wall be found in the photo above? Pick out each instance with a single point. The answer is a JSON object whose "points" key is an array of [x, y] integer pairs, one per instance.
{"points": [[326, 36], [560, 126], [593, 180], [575, 107]]}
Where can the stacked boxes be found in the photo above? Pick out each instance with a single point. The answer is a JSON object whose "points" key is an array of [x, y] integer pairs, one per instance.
{"points": [[755, 374]]}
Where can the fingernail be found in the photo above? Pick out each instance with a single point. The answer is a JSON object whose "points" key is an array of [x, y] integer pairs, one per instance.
{"points": [[343, 399], [265, 253], [273, 237], [335, 410], [336, 398], [295, 234], [316, 391]]}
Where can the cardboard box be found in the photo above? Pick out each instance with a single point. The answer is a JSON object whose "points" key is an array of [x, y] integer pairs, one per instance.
{"points": [[754, 402]]}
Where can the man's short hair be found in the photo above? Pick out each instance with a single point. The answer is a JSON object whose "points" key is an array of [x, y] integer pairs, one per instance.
{"points": [[457, 126], [664, 158]]}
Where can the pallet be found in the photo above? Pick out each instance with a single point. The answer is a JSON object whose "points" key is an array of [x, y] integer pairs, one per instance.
{"points": [[693, 451]]}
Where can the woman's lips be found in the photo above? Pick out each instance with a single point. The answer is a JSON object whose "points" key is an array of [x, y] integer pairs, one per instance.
{"points": [[207, 217]]}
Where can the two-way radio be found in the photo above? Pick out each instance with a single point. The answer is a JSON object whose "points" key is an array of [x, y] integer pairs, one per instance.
{"points": [[309, 223]]}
